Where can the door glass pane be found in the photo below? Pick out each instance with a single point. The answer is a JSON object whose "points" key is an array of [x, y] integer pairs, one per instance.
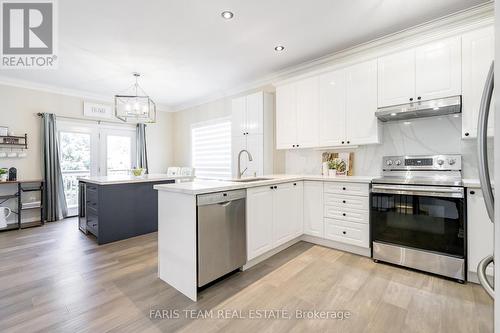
{"points": [[119, 155], [75, 162]]}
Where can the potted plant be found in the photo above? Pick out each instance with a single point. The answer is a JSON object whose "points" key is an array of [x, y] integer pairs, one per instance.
{"points": [[4, 173], [336, 167]]}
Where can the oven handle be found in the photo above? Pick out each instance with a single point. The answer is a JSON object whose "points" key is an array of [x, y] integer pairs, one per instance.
{"points": [[429, 191]]}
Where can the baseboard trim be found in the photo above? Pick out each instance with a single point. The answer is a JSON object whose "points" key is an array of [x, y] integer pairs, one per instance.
{"points": [[270, 253], [366, 252]]}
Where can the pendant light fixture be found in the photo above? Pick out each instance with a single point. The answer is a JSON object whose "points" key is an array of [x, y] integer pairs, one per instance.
{"points": [[135, 106]]}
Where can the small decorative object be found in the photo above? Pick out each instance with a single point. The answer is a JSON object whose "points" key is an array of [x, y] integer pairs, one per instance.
{"points": [[135, 106], [325, 168], [337, 167], [347, 157], [12, 174], [95, 110], [138, 172], [4, 174], [4, 131]]}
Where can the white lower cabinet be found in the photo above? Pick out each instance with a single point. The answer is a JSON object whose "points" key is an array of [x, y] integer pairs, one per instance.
{"points": [[313, 209], [274, 216], [347, 232], [479, 231]]}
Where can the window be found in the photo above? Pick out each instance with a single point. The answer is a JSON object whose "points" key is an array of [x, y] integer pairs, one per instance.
{"points": [[211, 149]]}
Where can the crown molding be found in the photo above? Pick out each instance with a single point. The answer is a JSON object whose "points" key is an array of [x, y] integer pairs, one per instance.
{"points": [[449, 25], [52, 89]]}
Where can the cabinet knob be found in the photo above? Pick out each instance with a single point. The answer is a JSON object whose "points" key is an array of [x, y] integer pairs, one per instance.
{"points": [[294, 184], [411, 99], [293, 146], [275, 187], [344, 232], [343, 214], [343, 201], [271, 187], [348, 142], [297, 145], [224, 194], [472, 192], [419, 98], [342, 142], [343, 188], [466, 133]]}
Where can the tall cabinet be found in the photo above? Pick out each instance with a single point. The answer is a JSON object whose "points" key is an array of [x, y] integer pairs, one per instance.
{"points": [[252, 130]]}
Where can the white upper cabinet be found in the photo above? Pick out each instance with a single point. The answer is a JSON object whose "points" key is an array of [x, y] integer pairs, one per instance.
{"points": [[362, 127], [477, 54], [286, 116], [239, 118], [255, 113], [438, 72], [332, 104], [308, 113], [396, 78], [426, 72]]}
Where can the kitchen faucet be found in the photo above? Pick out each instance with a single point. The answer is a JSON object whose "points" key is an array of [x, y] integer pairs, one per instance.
{"points": [[240, 173]]}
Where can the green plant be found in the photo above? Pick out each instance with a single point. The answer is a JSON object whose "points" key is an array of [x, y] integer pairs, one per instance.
{"points": [[3, 171], [337, 164]]}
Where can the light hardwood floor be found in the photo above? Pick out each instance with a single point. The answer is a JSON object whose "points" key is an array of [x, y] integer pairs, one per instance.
{"points": [[55, 279]]}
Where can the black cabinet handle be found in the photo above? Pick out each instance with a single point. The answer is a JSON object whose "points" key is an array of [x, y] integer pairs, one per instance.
{"points": [[224, 194], [466, 133], [472, 192], [275, 187], [271, 187], [297, 145], [342, 142], [343, 188], [343, 201], [343, 214], [294, 184], [344, 232], [293, 146], [348, 142], [411, 99], [419, 98]]}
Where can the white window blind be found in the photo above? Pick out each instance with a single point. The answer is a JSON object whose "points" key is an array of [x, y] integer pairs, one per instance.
{"points": [[211, 149]]}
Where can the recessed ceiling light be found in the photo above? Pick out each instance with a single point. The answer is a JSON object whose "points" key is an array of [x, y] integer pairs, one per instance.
{"points": [[227, 15], [279, 48]]}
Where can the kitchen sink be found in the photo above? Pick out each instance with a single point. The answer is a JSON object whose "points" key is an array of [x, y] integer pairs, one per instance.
{"points": [[248, 180]]}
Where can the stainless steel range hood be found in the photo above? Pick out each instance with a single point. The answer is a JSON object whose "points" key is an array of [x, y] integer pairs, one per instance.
{"points": [[434, 107]]}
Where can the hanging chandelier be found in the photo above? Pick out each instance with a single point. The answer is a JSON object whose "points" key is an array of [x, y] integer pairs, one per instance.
{"points": [[135, 106]]}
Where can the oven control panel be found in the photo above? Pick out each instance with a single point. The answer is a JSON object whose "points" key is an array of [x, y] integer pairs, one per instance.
{"points": [[429, 162]]}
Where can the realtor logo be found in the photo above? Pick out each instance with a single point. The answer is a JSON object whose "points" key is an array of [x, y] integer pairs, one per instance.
{"points": [[28, 34]]}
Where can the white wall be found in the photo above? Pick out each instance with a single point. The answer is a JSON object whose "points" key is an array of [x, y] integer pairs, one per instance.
{"points": [[18, 112]]}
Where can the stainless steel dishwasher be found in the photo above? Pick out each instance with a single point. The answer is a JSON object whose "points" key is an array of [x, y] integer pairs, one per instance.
{"points": [[221, 234]]}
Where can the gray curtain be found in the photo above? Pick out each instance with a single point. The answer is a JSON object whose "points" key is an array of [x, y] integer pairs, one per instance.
{"points": [[55, 207], [142, 153]]}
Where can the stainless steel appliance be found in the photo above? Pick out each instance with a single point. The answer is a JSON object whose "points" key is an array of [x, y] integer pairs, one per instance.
{"points": [[82, 207], [484, 174], [420, 109], [418, 214], [221, 234]]}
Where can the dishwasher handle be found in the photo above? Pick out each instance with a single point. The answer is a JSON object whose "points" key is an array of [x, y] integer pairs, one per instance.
{"points": [[220, 197]]}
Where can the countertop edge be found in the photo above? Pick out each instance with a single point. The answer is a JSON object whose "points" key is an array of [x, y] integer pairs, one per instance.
{"points": [[132, 181]]}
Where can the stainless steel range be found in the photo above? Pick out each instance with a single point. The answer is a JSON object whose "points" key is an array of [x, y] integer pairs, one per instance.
{"points": [[418, 214]]}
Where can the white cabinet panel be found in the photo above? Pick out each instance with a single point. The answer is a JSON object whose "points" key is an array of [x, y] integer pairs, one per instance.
{"points": [[286, 116], [332, 94], [362, 126], [287, 212], [479, 230], [346, 214], [238, 111], [438, 72], [396, 78], [347, 201], [347, 188], [477, 54], [255, 146], [313, 208], [259, 221], [347, 232], [308, 112], [255, 113]]}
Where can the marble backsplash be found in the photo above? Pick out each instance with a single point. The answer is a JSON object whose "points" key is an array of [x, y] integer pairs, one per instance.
{"points": [[424, 136]]}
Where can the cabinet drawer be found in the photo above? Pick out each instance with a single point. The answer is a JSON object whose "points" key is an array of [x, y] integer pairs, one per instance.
{"points": [[342, 201], [358, 189], [347, 232], [92, 196], [92, 223], [92, 206], [352, 215]]}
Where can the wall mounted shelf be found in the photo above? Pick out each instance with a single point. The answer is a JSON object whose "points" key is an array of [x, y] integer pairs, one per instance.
{"points": [[14, 141]]}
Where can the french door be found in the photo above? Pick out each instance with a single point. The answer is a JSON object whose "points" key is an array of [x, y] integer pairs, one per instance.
{"points": [[88, 149]]}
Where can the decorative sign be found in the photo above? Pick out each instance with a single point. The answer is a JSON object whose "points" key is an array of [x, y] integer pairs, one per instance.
{"points": [[95, 110]]}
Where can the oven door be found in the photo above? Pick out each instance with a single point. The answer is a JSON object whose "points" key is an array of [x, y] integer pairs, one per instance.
{"points": [[429, 218]]}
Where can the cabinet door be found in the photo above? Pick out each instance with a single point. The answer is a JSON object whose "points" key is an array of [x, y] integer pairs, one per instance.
{"points": [[255, 113], [313, 209], [285, 213], [286, 117], [479, 230], [396, 78], [259, 221], [362, 126], [238, 112], [477, 54], [238, 143], [332, 93], [308, 112], [438, 72], [255, 145]]}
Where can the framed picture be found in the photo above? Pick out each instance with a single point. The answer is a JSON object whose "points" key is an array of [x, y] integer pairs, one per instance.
{"points": [[95, 110], [4, 131]]}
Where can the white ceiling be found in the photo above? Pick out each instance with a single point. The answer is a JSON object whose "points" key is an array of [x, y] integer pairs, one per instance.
{"points": [[187, 52]]}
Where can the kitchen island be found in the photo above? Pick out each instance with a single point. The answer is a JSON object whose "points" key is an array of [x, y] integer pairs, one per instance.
{"points": [[280, 211], [117, 207]]}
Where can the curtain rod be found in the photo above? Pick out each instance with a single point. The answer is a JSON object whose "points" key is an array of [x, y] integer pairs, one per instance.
{"points": [[90, 120]]}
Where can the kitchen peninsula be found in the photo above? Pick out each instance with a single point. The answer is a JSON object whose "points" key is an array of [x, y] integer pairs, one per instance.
{"points": [[117, 207]]}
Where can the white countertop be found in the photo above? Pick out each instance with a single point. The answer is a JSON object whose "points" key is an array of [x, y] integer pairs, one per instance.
{"points": [[126, 179], [201, 186]]}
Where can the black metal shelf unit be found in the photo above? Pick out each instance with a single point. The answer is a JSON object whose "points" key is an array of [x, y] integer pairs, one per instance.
{"points": [[14, 141], [22, 187]]}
